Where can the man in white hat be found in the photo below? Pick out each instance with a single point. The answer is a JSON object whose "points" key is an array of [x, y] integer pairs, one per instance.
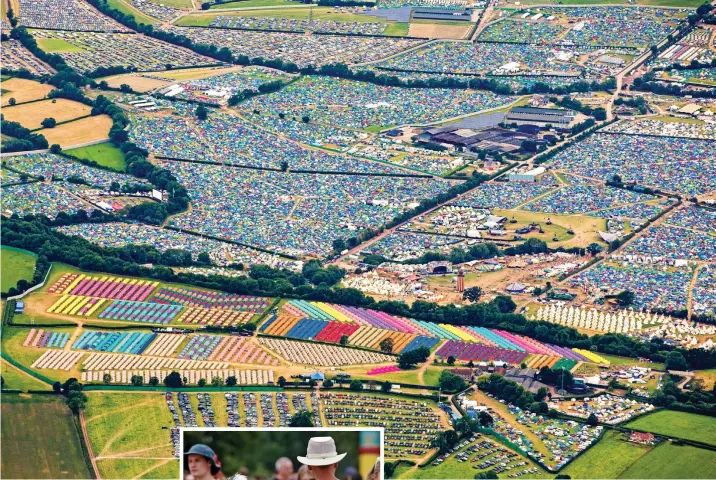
{"points": [[322, 458]]}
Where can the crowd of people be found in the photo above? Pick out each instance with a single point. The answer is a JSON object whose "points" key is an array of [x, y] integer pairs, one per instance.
{"points": [[672, 164], [72, 15], [297, 48], [306, 211], [16, 57], [361, 105], [220, 253], [298, 25], [88, 51]]}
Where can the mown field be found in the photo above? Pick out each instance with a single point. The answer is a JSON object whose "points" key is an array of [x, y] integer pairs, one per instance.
{"points": [[607, 459], [130, 425], [39, 438], [31, 115], [673, 461], [106, 154], [678, 424], [85, 130], [16, 379], [15, 265], [23, 90]]}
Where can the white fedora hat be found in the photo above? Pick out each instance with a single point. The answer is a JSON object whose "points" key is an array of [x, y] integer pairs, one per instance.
{"points": [[321, 452]]}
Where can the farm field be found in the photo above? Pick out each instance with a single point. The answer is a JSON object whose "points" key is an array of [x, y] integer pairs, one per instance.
{"points": [[15, 265], [31, 115], [35, 453], [112, 437], [23, 90], [137, 82], [607, 459], [16, 379], [85, 130], [679, 424], [673, 461], [708, 376], [255, 4], [57, 45], [106, 154]]}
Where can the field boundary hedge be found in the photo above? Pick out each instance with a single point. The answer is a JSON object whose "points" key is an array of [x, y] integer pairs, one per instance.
{"points": [[22, 367]]}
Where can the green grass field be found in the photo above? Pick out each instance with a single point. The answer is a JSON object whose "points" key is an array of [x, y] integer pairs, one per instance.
{"points": [[57, 45], [106, 154], [39, 438], [16, 379], [255, 3], [651, 3], [678, 424], [607, 459], [129, 425], [129, 10], [673, 461], [15, 265]]}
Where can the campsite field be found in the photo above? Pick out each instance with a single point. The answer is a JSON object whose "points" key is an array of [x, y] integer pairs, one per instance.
{"points": [[112, 437], [106, 154], [15, 265], [23, 90], [30, 115], [678, 424], [85, 130], [607, 459], [39, 438], [129, 10], [673, 461]]}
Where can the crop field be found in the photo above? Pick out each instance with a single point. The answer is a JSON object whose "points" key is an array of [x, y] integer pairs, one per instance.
{"points": [[112, 437], [23, 90], [85, 130], [608, 458], [31, 115], [679, 424], [15, 265], [39, 438], [106, 154], [673, 461]]}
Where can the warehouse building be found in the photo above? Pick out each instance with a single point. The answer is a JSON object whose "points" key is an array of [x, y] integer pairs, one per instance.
{"points": [[539, 116]]}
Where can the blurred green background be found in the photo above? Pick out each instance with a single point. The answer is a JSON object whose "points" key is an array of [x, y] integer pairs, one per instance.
{"points": [[258, 451]]}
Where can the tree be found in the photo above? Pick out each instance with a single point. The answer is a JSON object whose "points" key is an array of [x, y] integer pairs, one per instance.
{"points": [[625, 298], [328, 383], [76, 400], [201, 112], [472, 294], [201, 383], [55, 148], [12, 101], [412, 357], [592, 420], [57, 387], [451, 360], [206, 5], [107, 378], [284, 165], [356, 385], [594, 248], [485, 419], [676, 361], [137, 380], [305, 119], [386, 386], [231, 381], [386, 345], [562, 476], [344, 340], [312, 383], [486, 474], [217, 382], [126, 88], [599, 113], [542, 393], [303, 418], [49, 122], [451, 382], [281, 382], [153, 381], [173, 380], [504, 303]]}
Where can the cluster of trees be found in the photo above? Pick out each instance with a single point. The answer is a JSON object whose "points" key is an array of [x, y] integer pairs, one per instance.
{"points": [[22, 138], [697, 400], [512, 392], [558, 377], [638, 103], [247, 93], [412, 357], [450, 382], [598, 113], [480, 251], [649, 83], [72, 390]]}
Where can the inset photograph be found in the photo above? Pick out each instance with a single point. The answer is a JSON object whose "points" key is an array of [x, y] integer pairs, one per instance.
{"points": [[282, 454]]}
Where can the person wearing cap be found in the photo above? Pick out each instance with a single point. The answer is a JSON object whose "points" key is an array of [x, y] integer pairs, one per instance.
{"points": [[203, 462], [322, 458]]}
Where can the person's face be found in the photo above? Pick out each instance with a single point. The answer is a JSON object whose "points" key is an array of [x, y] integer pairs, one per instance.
{"points": [[286, 470], [199, 466]]}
